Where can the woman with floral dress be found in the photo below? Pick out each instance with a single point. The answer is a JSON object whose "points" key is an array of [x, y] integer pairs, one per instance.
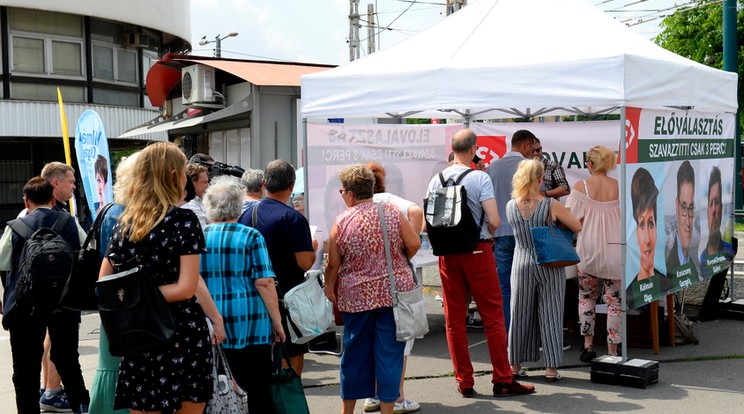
{"points": [[175, 377]]}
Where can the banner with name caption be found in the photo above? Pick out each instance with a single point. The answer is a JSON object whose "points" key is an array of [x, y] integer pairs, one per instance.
{"points": [[413, 154], [680, 177]]}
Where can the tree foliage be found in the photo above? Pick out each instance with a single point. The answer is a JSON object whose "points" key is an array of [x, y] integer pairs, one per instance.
{"points": [[697, 34]]}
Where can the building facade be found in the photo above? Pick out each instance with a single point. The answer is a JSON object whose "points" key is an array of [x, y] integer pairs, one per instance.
{"points": [[98, 55]]}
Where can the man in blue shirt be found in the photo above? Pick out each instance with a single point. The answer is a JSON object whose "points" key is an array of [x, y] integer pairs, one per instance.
{"points": [[288, 239], [502, 172]]}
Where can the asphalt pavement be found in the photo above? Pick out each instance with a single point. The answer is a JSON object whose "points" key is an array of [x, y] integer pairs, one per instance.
{"points": [[703, 378]]}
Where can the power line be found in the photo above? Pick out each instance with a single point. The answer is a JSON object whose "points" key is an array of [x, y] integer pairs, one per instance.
{"points": [[692, 5]]}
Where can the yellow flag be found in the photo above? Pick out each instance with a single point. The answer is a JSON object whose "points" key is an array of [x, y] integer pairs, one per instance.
{"points": [[65, 138]]}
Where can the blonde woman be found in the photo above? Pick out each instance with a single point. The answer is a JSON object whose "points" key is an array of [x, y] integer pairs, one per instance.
{"points": [[596, 203], [537, 291], [175, 377]]}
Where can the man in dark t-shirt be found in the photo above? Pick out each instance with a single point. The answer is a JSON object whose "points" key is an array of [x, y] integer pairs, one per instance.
{"points": [[288, 239]]}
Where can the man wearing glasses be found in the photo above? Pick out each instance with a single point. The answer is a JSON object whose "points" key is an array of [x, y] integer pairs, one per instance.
{"points": [[680, 253], [554, 183]]}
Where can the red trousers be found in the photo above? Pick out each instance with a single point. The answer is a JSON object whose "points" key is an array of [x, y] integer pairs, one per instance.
{"points": [[474, 272]]}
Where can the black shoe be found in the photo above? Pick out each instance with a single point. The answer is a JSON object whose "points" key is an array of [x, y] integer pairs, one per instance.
{"points": [[587, 354], [466, 392], [567, 346]]}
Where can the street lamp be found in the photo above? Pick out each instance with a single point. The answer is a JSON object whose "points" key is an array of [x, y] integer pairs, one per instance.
{"points": [[218, 42]]}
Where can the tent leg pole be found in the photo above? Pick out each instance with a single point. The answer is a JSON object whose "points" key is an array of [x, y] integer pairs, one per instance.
{"points": [[623, 237]]}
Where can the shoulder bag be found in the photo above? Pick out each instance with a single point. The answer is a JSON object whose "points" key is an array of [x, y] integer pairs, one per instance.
{"points": [[309, 310], [134, 313], [553, 245], [79, 293], [409, 307], [227, 396], [286, 386]]}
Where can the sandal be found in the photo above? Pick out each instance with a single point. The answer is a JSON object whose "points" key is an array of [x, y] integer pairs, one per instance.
{"points": [[522, 373], [553, 378]]}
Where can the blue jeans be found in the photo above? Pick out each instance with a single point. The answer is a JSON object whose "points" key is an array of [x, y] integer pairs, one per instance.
{"points": [[371, 356], [503, 251]]}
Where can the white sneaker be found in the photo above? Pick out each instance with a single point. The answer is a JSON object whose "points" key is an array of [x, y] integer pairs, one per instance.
{"points": [[371, 404], [406, 406]]}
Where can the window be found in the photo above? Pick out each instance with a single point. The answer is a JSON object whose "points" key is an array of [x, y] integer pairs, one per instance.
{"points": [[126, 66], [28, 55], [111, 61], [112, 97], [45, 92], [103, 62], [66, 58], [114, 64], [46, 43]]}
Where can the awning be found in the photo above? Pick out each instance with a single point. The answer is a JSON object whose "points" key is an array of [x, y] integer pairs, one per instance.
{"points": [[190, 118], [262, 73], [164, 76]]}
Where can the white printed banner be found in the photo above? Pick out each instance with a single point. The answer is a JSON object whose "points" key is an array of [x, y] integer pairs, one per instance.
{"points": [[413, 154], [564, 142]]}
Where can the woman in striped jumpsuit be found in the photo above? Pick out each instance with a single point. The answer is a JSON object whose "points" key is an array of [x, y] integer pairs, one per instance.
{"points": [[538, 292]]}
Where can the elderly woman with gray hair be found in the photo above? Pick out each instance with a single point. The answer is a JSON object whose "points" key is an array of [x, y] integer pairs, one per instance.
{"points": [[238, 273], [253, 182]]}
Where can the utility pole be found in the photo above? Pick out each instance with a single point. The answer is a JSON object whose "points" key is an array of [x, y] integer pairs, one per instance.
{"points": [[731, 64], [354, 29], [370, 28]]}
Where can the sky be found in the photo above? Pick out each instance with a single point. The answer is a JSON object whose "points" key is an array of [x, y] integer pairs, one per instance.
{"points": [[316, 31]]}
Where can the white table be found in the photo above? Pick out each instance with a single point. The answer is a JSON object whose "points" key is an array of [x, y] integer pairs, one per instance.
{"points": [[423, 258]]}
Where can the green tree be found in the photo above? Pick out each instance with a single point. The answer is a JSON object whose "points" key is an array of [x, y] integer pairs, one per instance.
{"points": [[697, 34]]}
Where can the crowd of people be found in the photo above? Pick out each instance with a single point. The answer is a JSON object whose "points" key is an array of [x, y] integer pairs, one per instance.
{"points": [[224, 252]]}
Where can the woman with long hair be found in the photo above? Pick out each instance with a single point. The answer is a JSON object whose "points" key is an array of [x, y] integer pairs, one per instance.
{"points": [[175, 377], [596, 203], [538, 292]]}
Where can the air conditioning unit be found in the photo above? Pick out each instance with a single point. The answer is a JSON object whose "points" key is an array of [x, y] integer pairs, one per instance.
{"points": [[136, 39], [197, 84]]}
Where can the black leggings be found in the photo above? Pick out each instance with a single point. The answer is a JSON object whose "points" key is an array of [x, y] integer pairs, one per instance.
{"points": [[251, 367]]}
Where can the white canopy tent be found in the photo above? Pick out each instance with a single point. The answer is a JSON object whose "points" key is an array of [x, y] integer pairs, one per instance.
{"points": [[516, 58], [521, 58]]}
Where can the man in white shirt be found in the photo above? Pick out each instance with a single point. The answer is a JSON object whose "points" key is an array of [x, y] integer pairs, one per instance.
{"points": [[196, 185]]}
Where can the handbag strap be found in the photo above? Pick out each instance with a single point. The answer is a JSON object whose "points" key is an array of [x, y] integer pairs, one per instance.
{"points": [[549, 216], [281, 349], [393, 291], [220, 357], [95, 230]]}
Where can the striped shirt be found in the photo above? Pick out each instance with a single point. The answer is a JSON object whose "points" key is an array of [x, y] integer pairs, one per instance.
{"points": [[236, 256]]}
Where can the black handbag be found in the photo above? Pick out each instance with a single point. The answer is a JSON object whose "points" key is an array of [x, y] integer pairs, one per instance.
{"points": [[134, 314], [79, 293]]}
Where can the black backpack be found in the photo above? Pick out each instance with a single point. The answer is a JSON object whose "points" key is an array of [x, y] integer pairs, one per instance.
{"points": [[449, 223], [44, 266]]}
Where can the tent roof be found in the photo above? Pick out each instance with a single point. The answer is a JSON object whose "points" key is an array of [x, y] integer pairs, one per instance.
{"points": [[511, 58]]}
